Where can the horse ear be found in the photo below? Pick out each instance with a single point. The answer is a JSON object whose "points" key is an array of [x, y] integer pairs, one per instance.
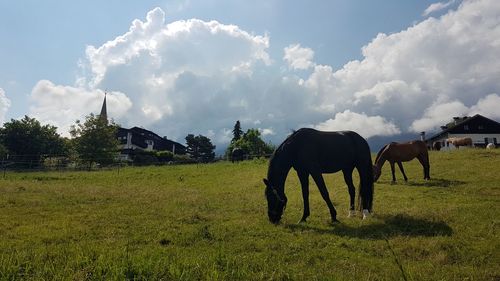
{"points": [[266, 182]]}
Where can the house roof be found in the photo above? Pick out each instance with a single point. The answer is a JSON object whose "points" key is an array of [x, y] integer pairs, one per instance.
{"points": [[140, 135], [477, 124]]}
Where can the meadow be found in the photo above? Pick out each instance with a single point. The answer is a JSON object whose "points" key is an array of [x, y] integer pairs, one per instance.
{"points": [[209, 222]]}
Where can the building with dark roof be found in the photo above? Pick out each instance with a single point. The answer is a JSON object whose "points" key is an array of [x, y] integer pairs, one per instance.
{"points": [[142, 139], [480, 129]]}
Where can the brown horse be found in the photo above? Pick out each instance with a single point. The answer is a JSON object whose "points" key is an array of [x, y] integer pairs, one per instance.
{"points": [[458, 142], [402, 152]]}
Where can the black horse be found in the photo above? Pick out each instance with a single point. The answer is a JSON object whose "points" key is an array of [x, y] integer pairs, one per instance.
{"points": [[312, 152], [237, 154]]}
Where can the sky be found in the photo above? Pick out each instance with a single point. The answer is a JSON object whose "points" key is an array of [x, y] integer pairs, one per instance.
{"points": [[380, 68]]}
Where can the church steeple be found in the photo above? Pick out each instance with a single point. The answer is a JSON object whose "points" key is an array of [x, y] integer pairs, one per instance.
{"points": [[104, 111]]}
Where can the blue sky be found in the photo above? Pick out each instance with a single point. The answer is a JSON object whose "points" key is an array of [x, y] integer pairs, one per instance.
{"points": [[275, 65]]}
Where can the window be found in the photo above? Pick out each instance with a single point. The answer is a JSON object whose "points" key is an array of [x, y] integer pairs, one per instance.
{"points": [[480, 127], [466, 127]]}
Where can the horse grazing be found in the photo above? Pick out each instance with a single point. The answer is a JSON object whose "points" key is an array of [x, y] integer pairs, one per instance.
{"points": [[237, 154], [312, 152], [402, 152], [458, 142]]}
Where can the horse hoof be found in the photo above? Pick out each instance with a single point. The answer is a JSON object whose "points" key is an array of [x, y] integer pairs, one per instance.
{"points": [[352, 214], [302, 221], [335, 221], [366, 214]]}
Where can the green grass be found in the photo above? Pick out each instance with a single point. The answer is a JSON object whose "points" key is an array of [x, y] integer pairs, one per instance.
{"points": [[209, 222]]}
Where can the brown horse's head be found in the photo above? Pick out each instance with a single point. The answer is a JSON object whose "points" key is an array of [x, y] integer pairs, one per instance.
{"points": [[276, 203], [376, 173]]}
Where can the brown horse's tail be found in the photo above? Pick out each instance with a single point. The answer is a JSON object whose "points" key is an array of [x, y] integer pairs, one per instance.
{"points": [[366, 189]]}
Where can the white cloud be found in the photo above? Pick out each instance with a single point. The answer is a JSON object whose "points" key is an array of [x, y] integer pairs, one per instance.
{"points": [[61, 106], [439, 114], [298, 57], [487, 106], [194, 76], [266, 131], [4, 105], [435, 7], [366, 126], [404, 75]]}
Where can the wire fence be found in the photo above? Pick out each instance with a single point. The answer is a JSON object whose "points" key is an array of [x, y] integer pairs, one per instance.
{"points": [[40, 163]]}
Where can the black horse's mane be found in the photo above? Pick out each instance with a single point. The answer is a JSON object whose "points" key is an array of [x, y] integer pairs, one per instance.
{"points": [[281, 148], [285, 143]]}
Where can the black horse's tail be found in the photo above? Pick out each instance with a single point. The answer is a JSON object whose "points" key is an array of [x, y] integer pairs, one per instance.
{"points": [[365, 169]]}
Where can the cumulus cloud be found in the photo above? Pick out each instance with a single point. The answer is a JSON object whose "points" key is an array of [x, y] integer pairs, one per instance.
{"points": [[487, 106], [4, 105], [266, 131], [298, 57], [366, 126], [405, 75], [435, 7], [439, 114], [61, 106], [195, 76]]}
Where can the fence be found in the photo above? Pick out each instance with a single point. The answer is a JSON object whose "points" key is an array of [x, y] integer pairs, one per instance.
{"points": [[32, 163]]}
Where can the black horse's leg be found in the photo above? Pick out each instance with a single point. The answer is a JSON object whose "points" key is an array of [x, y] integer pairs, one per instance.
{"points": [[320, 182], [304, 182], [400, 165], [393, 172], [350, 186]]}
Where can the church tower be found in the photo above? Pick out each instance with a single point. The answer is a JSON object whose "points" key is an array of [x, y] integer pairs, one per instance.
{"points": [[104, 111]]}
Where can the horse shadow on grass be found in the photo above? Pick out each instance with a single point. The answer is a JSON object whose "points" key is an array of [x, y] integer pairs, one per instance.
{"points": [[395, 225], [437, 182], [434, 182]]}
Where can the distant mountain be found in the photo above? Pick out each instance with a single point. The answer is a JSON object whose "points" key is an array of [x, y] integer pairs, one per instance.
{"points": [[377, 142]]}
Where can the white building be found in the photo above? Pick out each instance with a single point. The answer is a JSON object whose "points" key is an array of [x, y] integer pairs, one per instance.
{"points": [[479, 128]]}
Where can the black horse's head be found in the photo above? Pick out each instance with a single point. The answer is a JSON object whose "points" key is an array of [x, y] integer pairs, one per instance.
{"points": [[276, 203]]}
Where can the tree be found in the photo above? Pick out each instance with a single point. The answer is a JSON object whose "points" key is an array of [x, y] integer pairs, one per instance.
{"points": [[252, 143], [200, 148], [26, 140], [237, 132], [95, 140]]}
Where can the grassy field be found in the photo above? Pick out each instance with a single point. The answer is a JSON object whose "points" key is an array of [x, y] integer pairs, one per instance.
{"points": [[209, 222]]}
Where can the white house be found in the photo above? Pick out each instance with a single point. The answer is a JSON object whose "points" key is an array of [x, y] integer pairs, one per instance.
{"points": [[480, 129]]}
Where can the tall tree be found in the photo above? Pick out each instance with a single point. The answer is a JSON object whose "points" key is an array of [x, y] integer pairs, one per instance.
{"points": [[95, 140], [200, 148], [252, 144], [237, 132], [27, 140]]}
